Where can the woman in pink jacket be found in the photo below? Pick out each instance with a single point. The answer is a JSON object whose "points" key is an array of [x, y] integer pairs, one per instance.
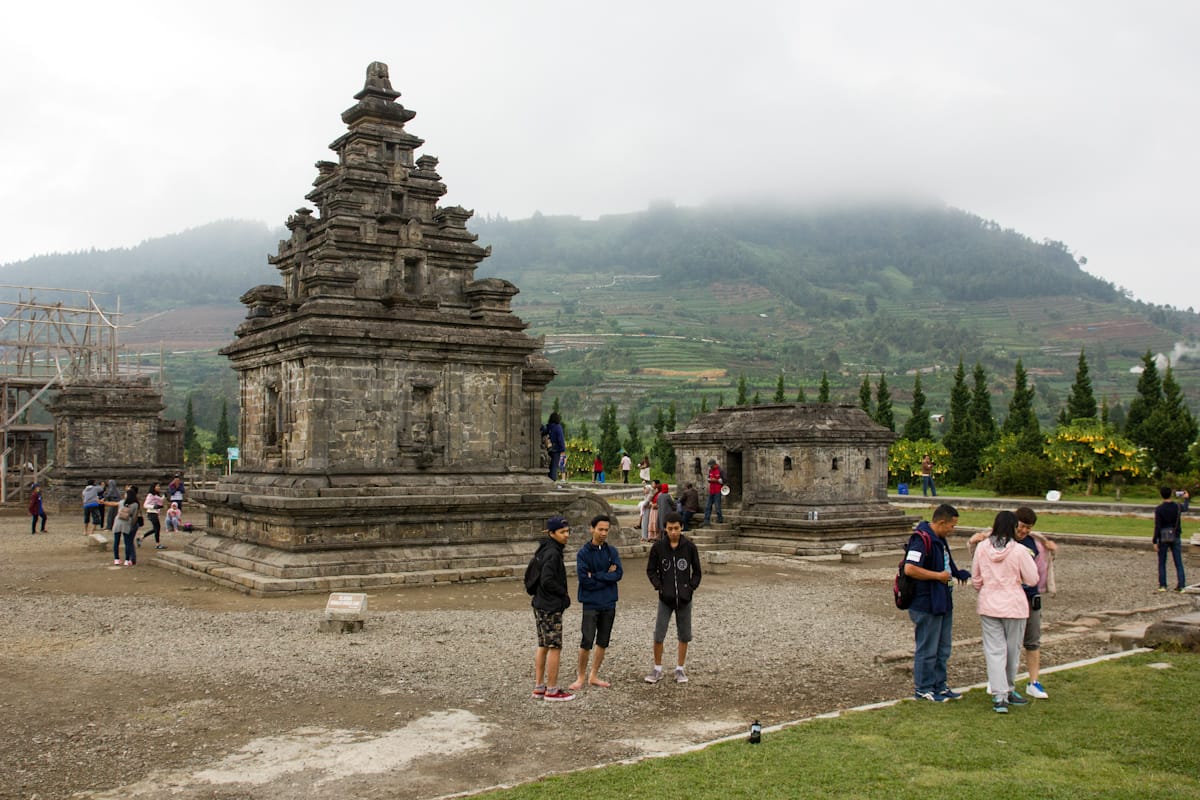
{"points": [[998, 569]]}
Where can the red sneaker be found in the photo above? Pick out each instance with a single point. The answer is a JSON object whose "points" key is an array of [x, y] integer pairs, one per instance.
{"points": [[558, 696]]}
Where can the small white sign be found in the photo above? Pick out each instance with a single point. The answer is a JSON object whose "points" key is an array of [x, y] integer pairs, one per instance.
{"points": [[346, 606]]}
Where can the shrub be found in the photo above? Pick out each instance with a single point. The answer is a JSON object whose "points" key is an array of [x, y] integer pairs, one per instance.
{"points": [[1024, 474]]}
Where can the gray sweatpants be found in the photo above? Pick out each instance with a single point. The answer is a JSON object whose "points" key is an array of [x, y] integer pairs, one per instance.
{"points": [[1002, 651]]}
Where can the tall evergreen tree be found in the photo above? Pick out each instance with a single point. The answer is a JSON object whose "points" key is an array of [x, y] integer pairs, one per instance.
{"points": [[800, 398], [741, 390], [1149, 395], [610, 436], [883, 404], [757, 400], [1021, 420], [960, 439], [779, 396], [1170, 429], [1082, 402], [703, 404], [633, 437], [672, 416], [584, 433], [189, 426], [823, 391], [222, 441], [917, 427], [1104, 412], [981, 409], [555, 409], [864, 395]]}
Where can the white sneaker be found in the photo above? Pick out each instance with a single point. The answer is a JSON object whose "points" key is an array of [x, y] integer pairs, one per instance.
{"points": [[655, 676], [1035, 690], [680, 675]]}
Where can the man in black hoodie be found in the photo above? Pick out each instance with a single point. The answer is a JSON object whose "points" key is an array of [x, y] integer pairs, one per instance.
{"points": [[549, 602], [674, 570]]}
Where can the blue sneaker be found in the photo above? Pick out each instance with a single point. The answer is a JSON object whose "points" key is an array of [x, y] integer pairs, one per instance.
{"points": [[1035, 689], [1015, 699], [950, 694], [930, 696]]}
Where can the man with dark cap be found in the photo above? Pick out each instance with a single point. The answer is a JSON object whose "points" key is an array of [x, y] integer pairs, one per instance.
{"points": [[550, 600]]}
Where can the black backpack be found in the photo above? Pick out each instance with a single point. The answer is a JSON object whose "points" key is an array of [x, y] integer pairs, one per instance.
{"points": [[904, 588], [533, 575]]}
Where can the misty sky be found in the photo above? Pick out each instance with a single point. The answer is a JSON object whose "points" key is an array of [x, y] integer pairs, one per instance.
{"points": [[1073, 121]]}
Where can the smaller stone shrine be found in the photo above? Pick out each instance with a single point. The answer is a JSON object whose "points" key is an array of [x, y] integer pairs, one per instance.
{"points": [[804, 478], [390, 401], [110, 429]]}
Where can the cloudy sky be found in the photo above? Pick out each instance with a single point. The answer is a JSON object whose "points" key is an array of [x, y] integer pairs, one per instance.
{"points": [[1073, 121]]}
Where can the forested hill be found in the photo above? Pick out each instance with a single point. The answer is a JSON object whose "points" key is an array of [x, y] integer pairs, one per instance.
{"points": [[806, 257], [211, 264]]}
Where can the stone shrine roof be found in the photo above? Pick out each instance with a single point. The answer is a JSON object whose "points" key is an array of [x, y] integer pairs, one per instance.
{"points": [[784, 422]]}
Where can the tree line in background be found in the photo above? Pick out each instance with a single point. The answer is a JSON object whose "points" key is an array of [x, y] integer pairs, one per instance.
{"points": [[1089, 444]]}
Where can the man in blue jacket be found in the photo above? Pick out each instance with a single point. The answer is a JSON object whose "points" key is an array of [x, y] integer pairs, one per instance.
{"points": [[928, 561], [598, 567]]}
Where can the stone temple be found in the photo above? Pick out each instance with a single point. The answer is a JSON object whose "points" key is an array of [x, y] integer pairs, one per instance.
{"points": [[804, 478], [390, 401]]}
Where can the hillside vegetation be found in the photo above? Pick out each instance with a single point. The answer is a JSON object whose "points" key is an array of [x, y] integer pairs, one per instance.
{"points": [[675, 304]]}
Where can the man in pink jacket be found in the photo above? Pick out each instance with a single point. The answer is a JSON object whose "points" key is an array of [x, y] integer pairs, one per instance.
{"points": [[998, 570]]}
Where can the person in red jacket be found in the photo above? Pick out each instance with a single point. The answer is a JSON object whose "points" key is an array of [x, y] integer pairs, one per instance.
{"points": [[36, 509], [716, 480]]}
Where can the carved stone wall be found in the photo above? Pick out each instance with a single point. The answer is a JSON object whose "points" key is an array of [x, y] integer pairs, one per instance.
{"points": [[110, 429]]}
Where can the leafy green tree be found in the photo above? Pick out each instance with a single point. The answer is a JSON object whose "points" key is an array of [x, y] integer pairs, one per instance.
{"points": [[633, 438], [610, 436], [800, 395], [779, 395], [917, 427], [883, 404], [1081, 404], [905, 456], [981, 409], [864, 395], [222, 441], [823, 392], [741, 390], [1022, 421], [1086, 449], [960, 440]]}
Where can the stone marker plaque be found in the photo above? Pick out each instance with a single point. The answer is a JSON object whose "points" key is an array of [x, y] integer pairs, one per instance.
{"points": [[346, 606]]}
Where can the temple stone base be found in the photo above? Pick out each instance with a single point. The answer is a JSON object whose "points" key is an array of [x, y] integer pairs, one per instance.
{"points": [[311, 540], [873, 528]]}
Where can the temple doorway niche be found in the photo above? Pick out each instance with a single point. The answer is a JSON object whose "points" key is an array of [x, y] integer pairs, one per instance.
{"points": [[733, 476]]}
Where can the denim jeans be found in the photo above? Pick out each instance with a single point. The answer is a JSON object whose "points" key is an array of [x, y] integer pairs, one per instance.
{"points": [[927, 486], [1176, 548], [713, 499], [931, 650], [554, 459]]}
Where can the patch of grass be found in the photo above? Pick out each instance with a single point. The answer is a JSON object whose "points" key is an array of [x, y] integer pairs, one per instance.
{"points": [[1069, 523], [1100, 737]]}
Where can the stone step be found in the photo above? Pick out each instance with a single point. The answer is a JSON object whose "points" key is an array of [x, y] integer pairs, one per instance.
{"points": [[260, 585]]}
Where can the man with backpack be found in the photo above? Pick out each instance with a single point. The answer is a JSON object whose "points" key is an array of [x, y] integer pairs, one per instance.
{"points": [[598, 568], [546, 580], [929, 563]]}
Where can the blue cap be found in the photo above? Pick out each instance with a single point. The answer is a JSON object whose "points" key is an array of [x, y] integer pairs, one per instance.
{"points": [[557, 523]]}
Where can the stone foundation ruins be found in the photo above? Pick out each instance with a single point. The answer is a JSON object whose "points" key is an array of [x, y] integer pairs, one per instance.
{"points": [[804, 478]]}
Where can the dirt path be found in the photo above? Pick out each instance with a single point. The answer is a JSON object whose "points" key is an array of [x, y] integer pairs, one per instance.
{"points": [[136, 682]]}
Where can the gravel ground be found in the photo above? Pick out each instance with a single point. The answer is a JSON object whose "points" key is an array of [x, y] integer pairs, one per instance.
{"points": [[136, 682]]}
